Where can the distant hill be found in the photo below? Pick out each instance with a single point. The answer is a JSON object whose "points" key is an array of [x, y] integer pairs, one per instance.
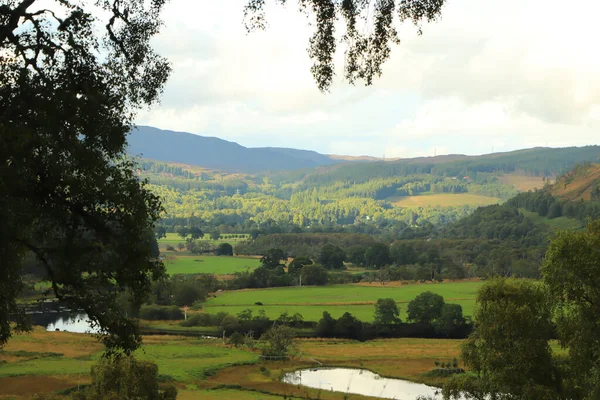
{"points": [[218, 154], [582, 183]]}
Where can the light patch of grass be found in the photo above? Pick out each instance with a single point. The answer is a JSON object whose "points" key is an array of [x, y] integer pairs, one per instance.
{"points": [[563, 223], [174, 239], [442, 200], [338, 299], [315, 313], [522, 183], [218, 265]]}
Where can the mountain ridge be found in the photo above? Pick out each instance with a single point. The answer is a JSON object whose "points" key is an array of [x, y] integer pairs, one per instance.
{"points": [[219, 154]]}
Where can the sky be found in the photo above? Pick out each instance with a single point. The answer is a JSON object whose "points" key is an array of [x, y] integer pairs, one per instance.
{"points": [[493, 75]]}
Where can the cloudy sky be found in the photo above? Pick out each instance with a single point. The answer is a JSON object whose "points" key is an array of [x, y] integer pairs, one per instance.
{"points": [[493, 74]]}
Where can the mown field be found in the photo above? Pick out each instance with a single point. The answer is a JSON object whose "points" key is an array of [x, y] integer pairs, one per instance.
{"points": [[338, 299], [218, 265], [442, 199]]}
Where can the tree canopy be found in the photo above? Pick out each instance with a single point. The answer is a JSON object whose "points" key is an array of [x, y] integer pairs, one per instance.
{"points": [[71, 81], [368, 48]]}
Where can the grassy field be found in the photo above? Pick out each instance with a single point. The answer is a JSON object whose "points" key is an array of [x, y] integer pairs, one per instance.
{"points": [[190, 264], [338, 299], [46, 362], [174, 239], [60, 360], [442, 199], [556, 223], [522, 183]]}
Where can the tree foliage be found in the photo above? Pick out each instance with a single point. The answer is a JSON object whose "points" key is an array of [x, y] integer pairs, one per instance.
{"points": [[571, 270], [71, 82], [125, 378], [386, 312], [279, 341], [366, 49], [425, 308], [509, 349]]}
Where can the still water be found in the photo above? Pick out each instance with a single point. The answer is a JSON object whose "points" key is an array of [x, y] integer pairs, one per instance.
{"points": [[64, 321], [359, 381]]}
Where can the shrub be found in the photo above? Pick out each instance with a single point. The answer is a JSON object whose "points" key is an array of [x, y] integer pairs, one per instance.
{"points": [[236, 339], [156, 313], [125, 378], [170, 248]]}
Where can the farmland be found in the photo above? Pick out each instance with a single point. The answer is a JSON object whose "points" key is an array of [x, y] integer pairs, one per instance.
{"points": [[192, 264], [338, 299], [442, 200], [522, 183], [207, 368], [173, 239]]}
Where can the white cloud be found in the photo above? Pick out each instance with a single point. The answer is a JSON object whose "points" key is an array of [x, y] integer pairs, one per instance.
{"points": [[499, 73]]}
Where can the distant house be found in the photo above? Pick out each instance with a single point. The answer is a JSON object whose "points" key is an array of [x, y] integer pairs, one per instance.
{"points": [[467, 178]]}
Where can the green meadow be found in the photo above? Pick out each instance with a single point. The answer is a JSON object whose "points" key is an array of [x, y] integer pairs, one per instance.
{"points": [[218, 265], [174, 239], [338, 299]]}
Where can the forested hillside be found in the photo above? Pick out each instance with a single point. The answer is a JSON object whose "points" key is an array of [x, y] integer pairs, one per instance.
{"points": [[391, 199]]}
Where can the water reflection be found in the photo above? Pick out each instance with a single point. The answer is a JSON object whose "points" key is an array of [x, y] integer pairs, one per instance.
{"points": [[359, 381], [76, 322]]}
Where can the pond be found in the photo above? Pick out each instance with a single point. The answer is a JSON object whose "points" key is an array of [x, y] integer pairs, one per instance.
{"points": [[359, 381], [76, 322]]}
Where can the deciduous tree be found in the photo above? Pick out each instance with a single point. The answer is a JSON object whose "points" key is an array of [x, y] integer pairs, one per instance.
{"points": [[72, 80], [509, 349], [369, 32]]}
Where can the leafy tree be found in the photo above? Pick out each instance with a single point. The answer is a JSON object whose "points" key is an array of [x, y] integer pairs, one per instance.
{"points": [[386, 313], [272, 258], [126, 378], [160, 231], [509, 350], [326, 325], [451, 320], [186, 294], [377, 255], [224, 249], [279, 341], [72, 81], [356, 255], [180, 246], [215, 235], [183, 231], [368, 48], [332, 257], [571, 270], [196, 233], [230, 324], [425, 308], [314, 275], [237, 339], [297, 264]]}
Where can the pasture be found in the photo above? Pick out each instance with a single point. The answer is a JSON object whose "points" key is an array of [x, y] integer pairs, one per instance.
{"points": [[51, 361], [359, 300], [522, 183], [174, 239], [442, 200], [46, 362], [218, 265]]}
